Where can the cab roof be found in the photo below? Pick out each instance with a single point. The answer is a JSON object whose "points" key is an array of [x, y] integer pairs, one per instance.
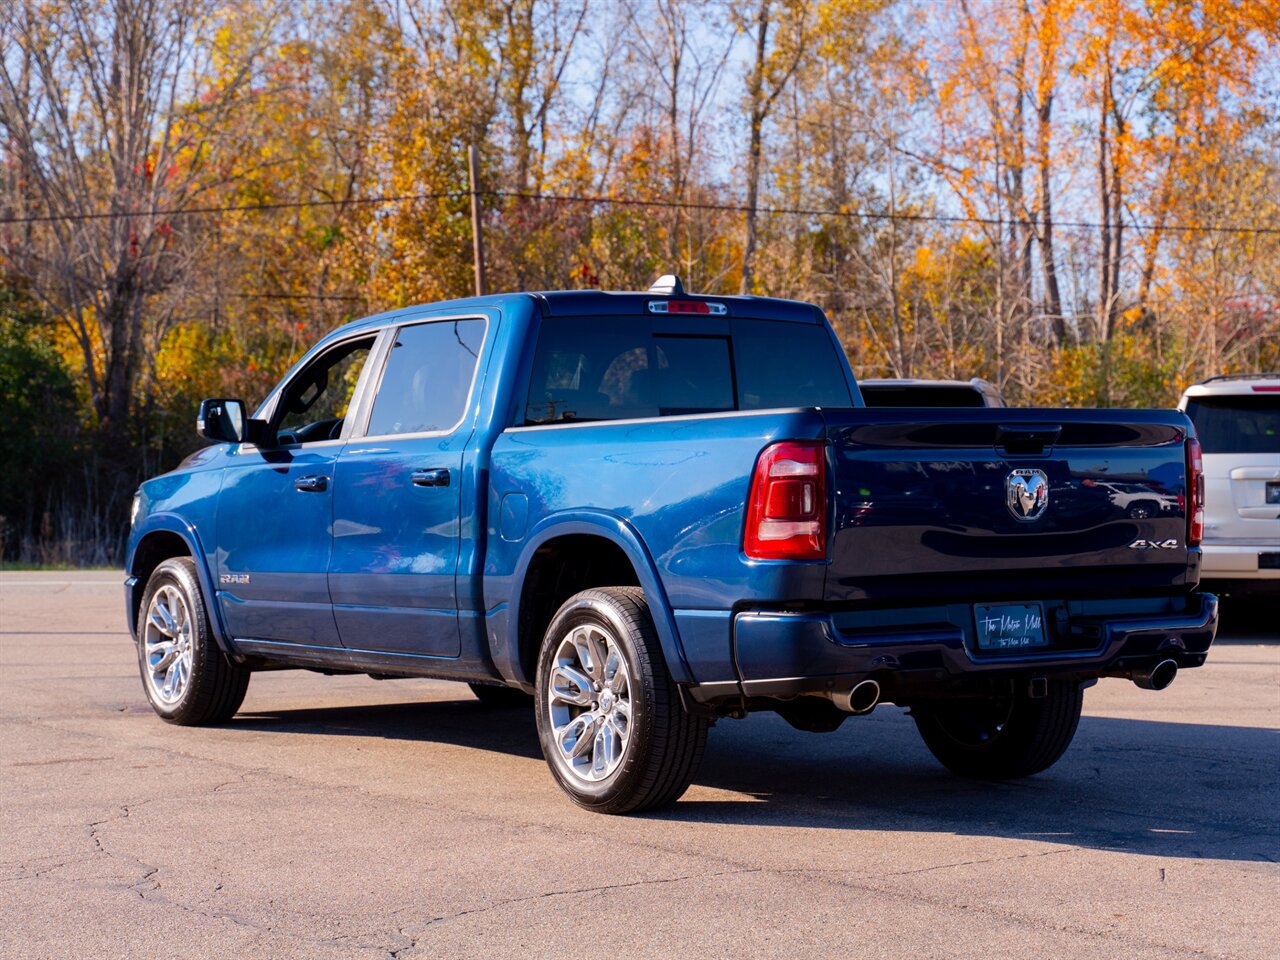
{"points": [[584, 303]]}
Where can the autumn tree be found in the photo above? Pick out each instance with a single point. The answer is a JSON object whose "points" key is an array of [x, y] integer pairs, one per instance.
{"points": [[110, 114]]}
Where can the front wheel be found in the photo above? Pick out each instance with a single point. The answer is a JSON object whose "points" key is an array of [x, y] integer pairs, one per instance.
{"points": [[609, 716], [186, 676], [1004, 736]]}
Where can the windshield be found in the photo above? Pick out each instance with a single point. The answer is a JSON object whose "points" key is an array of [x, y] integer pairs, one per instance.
{"points": [[1242, 423]]}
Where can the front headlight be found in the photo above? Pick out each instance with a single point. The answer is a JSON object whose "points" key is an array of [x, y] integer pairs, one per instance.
{"points": [[133, 511]]}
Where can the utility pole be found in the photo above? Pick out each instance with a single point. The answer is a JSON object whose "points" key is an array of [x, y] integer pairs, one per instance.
{"points": [[477, 236]]}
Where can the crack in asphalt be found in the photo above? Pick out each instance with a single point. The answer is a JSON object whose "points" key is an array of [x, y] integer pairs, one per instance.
{"points": [[577, 891], [830, 876], [27, 870], [58, 760]]}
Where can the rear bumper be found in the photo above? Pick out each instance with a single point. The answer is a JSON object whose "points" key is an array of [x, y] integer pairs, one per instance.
{"points": [[930, 651], [1240, 561]]}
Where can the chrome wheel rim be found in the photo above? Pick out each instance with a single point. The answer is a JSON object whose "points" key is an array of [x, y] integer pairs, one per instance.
{"points": [[167, 644], [589, 701]]}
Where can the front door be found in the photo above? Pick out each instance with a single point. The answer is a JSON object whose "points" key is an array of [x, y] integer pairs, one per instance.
{"points": [[397, 496], [275, 509]]}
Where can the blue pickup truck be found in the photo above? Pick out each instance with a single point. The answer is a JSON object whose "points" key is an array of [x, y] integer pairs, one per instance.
{"points": [[643, 512]]}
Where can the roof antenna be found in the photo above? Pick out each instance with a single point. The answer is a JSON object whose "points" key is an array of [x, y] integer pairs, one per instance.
{"points": [[668, 284]]}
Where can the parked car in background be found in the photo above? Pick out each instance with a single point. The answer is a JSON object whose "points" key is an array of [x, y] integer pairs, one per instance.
{"points": [[1237, 418], [1140, 501], [930, 393]]}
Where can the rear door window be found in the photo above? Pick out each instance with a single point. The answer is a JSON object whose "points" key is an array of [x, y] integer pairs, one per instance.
{"points": [[427, 378], [1242, 423]]}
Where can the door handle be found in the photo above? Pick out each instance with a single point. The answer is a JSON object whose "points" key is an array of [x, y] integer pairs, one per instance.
{"points": [[436, 477], [311, 484]]}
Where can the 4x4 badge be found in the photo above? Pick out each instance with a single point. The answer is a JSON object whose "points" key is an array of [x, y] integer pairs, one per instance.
{"points": [[1154, 545], [1026, 493]]}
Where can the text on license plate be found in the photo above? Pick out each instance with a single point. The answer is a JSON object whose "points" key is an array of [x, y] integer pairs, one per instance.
{"points": [[1010, 626]]}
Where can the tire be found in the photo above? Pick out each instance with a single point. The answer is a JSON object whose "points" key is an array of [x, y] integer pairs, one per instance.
{"points": [[640, 749], [1002, 737], [501, 698], [1142, 510], [200, 685]]}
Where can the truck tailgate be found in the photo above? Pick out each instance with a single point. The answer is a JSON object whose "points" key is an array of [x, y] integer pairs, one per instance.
{"points": [[948, 505]]}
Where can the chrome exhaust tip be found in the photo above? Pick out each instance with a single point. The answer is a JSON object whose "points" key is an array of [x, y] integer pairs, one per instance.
{"points": [[1158, 677], [861, 698]]}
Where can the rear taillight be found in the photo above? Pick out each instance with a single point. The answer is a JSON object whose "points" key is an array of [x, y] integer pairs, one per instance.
{"points": [[787, 509], [1195, 494]]}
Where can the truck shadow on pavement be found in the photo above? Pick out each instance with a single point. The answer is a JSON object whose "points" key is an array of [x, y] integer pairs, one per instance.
{"points": [[1137, 786], [1157, 789]]}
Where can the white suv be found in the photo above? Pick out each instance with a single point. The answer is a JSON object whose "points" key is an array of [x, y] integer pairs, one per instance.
{"points": [[1237, 419]]}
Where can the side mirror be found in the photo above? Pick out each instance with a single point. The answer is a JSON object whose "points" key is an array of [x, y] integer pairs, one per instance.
{"points": [[222, 421]]}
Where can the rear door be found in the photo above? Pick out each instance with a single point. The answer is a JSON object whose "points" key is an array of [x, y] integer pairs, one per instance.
{"points": [[397, 495]]}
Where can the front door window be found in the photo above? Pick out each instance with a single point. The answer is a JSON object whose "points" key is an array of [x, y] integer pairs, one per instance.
{"points": [[314, 405]]}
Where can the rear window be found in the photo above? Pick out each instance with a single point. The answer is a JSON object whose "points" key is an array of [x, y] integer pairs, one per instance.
{"points": [[923, 396], [1242, 423], [588, 368]]}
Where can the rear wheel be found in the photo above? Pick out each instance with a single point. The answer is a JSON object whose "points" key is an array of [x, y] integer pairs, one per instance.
{"points": [[186, 676], [500, 698], [609, 716], [1005, 736]]}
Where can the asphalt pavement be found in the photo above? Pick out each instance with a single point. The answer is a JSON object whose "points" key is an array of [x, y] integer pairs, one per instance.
{"points": [[347, 817]]}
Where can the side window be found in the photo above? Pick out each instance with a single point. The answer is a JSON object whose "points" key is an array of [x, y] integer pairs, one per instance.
{"points": [[428, 378], [315, 402]]}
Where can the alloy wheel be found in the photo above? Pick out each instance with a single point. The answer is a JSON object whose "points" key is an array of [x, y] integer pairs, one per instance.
{"points": [[167, 644], [589, 701]]}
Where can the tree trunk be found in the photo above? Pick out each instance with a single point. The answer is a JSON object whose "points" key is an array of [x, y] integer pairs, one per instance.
{"points": [[758, 109], [1111, 206], [1046, 81], [675, 38], [1100, 325]]}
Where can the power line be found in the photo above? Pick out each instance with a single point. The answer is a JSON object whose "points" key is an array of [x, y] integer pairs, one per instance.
{"points": [[232, 208], [636, 202], [870, 215]]}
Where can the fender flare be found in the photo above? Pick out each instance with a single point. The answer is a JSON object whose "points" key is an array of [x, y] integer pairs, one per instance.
{"points": [[623, 535], [172, 523]]}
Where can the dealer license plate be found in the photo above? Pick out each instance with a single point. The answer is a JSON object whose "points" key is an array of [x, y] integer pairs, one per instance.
{"points": [[1010, 626], [1273, 492]]}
